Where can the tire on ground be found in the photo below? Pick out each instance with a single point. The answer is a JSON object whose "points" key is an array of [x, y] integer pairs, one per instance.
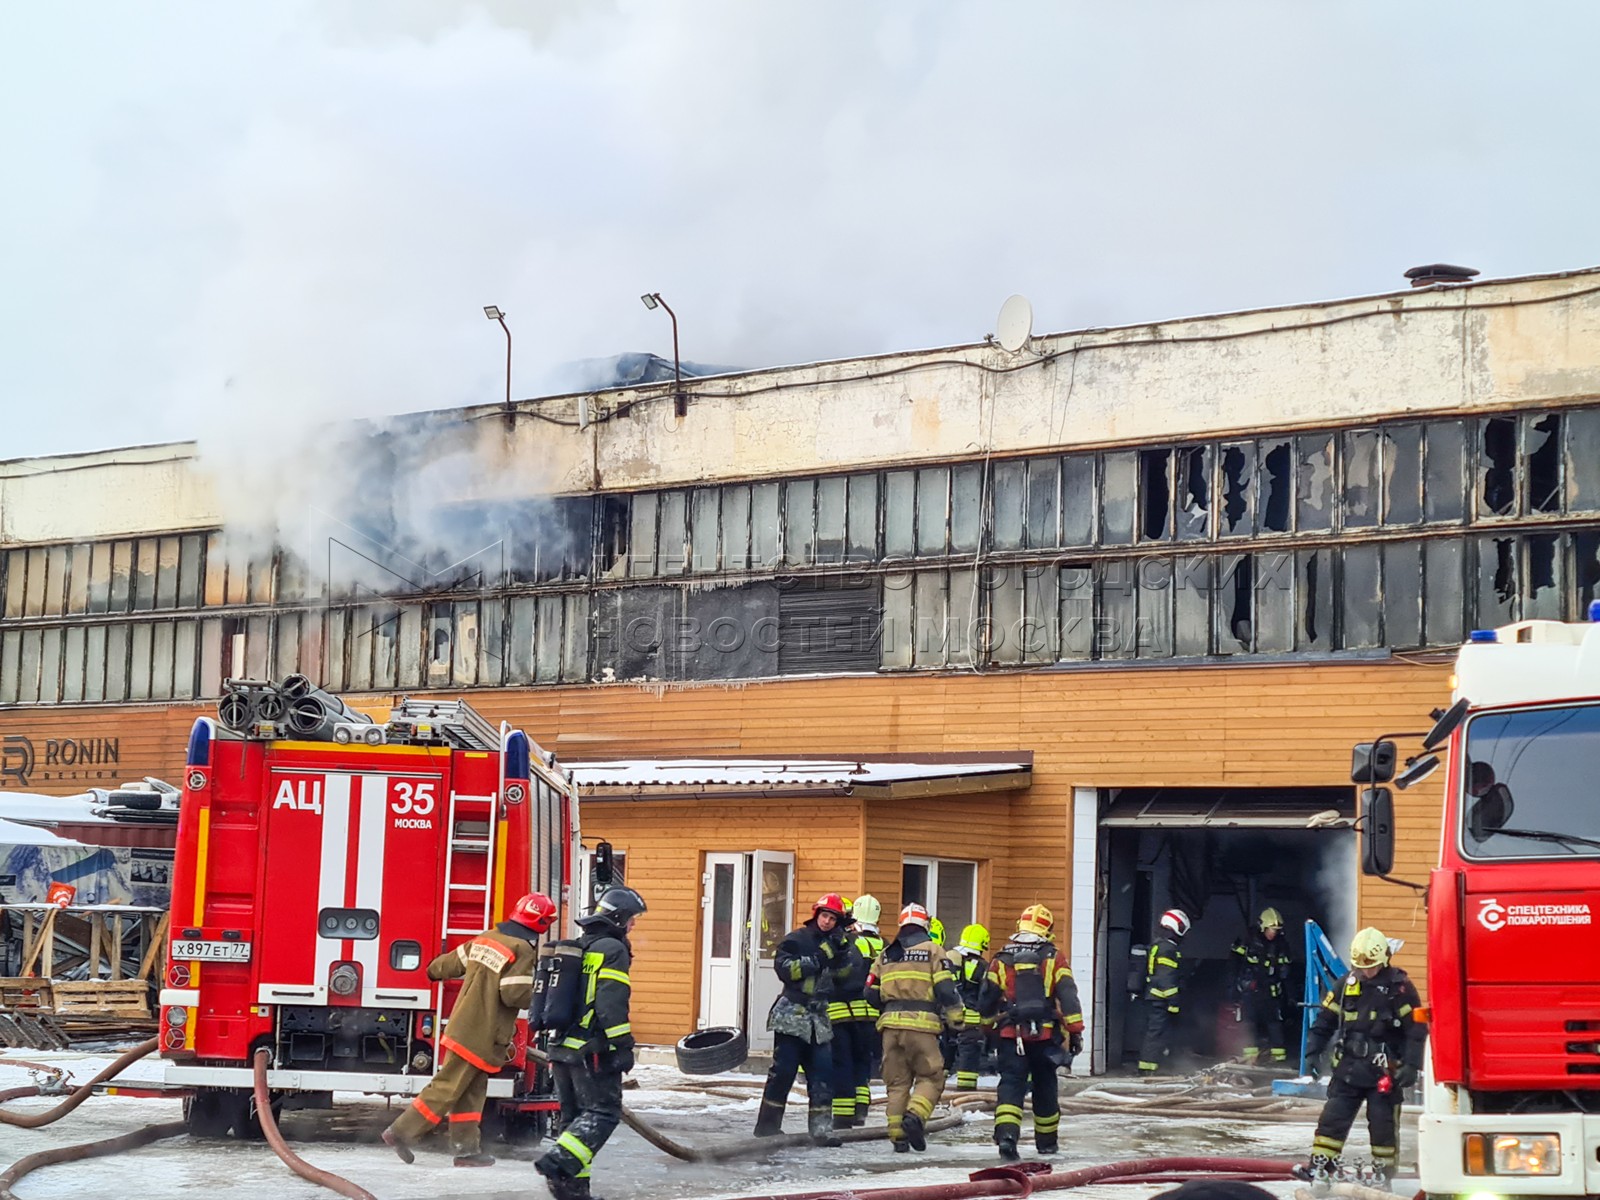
{"points": [[712, 1051]]}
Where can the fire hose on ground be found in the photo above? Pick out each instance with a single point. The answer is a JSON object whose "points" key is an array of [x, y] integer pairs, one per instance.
{"points": [[269, 1126]]}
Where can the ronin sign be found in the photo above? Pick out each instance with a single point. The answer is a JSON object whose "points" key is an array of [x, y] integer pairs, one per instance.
{"points": [[25, 761]]}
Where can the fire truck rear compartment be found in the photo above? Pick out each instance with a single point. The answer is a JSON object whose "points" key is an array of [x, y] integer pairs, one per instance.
{"points": [[346, 1038]]}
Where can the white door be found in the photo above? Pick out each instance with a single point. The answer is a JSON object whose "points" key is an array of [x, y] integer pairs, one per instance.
{"points": [[772, 895], [725, 906]]}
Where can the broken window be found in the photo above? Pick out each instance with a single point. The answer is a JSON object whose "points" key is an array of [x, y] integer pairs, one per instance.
{"points": [[966, 508], [1077, 500], [1274, 600], [1402, 474], [519, 647], [736, 527], [1402, 594], [933, 508], [1583, 460], [672, 542], [1314, 600], [1193, 515], [575, 639], [1234, 589], [863, 518], [1497, 582], [897, 633], [1119, 481], [491, 646], [122, 577], [1040, 631], [1117, 610], [799, 522], [1277, 486], [547, 644], [1155, 495], [1443, 617], [1075, 585], [1314, 483], [1542, 479], [1543, 596], [614, 536], [703, 518], [1497, 466], [900, 514], [1586, 548], [1044, 491], [1360, 597], [1238, 489], [408, 647], [764, 525], [1153, 583], [288, 643], [1361, 478], [1191, 597], [1010, 496], [830, 519], [1444, 471]]}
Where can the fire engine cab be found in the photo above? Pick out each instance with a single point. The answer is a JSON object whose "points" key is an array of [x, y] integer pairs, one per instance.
{"points": [[323, 860], [1511, 1101]]}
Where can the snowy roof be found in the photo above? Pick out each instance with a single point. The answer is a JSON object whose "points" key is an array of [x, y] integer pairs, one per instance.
{"points": [[12, 833], [30, 806], [928, 775]]}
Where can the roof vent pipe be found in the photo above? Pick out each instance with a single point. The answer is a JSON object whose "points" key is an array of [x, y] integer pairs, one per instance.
{"points": [[1440, 273]]}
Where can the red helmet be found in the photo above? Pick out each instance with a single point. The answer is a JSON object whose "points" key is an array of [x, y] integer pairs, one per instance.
{"points": [[832, 902], [535, 910]]}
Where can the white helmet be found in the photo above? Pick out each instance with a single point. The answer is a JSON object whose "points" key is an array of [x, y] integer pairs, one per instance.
{"points": [[1176, 920], [868, 910]]}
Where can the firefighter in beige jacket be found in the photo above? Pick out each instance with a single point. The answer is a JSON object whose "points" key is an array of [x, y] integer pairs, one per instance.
{"points": [[496, 968]]}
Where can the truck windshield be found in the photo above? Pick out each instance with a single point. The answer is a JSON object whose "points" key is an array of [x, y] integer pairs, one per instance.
{"points": [[1532, 786]]}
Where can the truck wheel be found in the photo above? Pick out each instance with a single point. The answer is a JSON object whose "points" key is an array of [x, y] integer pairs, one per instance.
{"points": [[519, 1128], [247, 1121], [712, 1051], [207, 1114]]}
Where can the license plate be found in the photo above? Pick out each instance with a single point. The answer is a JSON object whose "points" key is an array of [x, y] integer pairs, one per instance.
{"points": [[213, 951]]}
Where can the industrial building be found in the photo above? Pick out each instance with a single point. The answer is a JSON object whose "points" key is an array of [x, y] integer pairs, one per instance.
{"points": [[1094, 622]]}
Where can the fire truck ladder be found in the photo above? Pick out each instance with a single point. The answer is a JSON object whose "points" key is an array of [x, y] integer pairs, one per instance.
{"points": [[465, 836], [456, 721]]}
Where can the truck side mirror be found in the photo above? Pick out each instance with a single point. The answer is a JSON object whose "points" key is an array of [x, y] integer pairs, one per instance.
{"points": [[1373, 762], [604, 874], [1446, 724], [1377, 831]]}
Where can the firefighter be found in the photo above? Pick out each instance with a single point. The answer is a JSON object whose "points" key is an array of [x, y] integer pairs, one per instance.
{"points": [[496, 969], [969, 967], [850, 987], [1261, 968], [1161, 991], [936, 930], [1030, 994], [810, 962], [916, 995], [590, 1057], [865, 1047], [1376, 1030]]}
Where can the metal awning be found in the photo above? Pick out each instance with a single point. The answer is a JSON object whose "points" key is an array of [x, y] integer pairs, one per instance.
{"points": [[877, 777], [1192, 808]]}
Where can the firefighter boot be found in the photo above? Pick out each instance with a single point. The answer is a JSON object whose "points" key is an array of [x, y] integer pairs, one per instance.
{"points": [[1320, 1173], [769, 1121], [1008, 1149], [1046, 1143], [915, 1132], [562, 1186], [392, 1140]]}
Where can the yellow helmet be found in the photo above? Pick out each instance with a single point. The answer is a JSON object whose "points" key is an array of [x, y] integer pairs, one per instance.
{"points": [[1369, 948], [1036, 918], [936, 930], [1271, 918], [975, 938]]}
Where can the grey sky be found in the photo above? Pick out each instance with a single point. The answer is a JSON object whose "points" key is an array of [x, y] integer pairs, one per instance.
{"points": [[216, 214]]}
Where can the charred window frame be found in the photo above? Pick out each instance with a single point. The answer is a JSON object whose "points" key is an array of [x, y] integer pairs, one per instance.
{"points": [[1583, 460], [1119, 497], [933, 512], [966, 508], [1043, 530], [862, 520], [705, 514], [1195, 487], [799, 522], [832, 519], [1155, 494], [1275, 475], [1009, 503], [899, 514], [1079, 507], [1402, 474], [1236, 489], [1003, 590], [1361, 490]]}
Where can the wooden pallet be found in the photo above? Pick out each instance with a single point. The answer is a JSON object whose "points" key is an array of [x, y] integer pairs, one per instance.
{"points": [[26, 995], [129, 998]]}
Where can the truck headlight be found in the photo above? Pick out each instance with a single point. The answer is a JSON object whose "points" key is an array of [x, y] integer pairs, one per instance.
{"points": [[1512, 1153]]}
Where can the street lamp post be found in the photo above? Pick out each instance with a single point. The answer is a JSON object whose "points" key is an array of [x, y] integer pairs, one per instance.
{"points": [[680, 402], [494, 314]]}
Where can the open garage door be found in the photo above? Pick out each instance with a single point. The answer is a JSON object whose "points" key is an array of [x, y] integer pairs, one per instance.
{"points": [[1222, 855]]}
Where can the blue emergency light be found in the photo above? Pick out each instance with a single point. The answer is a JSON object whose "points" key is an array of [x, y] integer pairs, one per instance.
{"points": [[1483, 635], [1594, 610]]}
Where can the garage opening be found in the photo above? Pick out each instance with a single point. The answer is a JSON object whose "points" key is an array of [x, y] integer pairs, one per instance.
{"points": [[1221, 855]]}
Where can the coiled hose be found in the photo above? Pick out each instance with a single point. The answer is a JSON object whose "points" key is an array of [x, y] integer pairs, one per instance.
{"points": [[79, 1095]]}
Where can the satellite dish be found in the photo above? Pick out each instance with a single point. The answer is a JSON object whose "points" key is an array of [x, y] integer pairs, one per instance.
{"points": [[1015, 326]]}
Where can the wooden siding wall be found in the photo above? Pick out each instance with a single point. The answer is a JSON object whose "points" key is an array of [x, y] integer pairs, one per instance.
{"points": [[1243, 726], [976, 828], [666, 843]]}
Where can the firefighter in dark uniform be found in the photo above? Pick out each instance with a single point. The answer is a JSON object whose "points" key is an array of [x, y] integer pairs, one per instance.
{"points": [[1161, 991], [1261, 968], [862, 1029], [1030, 994], [496, 968], [1374, 1024], [810, 962], [970, 969], [849, 994], [590, 1057]]}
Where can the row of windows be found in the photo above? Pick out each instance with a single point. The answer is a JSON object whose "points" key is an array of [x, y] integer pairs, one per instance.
{"points": [[1439, 473], [1402, 594]]}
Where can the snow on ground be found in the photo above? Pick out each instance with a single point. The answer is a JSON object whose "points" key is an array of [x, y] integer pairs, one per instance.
{"points": [[345, 1141]]}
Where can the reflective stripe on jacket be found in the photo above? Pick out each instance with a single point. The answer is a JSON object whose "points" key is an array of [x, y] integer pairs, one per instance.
{"points": [[496, 970], [1162, 969], [1262, 966], [607, 994], [1023, 953], [913, 985], [868, 945]]}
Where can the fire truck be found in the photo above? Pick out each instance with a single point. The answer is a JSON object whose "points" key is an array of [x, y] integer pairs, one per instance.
{"points": [[1511, 1094], [323, 859]]}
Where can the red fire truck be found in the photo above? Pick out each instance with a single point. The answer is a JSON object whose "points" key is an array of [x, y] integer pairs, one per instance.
{"points": [[1512, 1091], [322, 861]]}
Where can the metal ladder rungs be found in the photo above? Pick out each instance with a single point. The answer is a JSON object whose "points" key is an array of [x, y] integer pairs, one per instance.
{"points": [[469, 887], [469, 843], [454, 929]]}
